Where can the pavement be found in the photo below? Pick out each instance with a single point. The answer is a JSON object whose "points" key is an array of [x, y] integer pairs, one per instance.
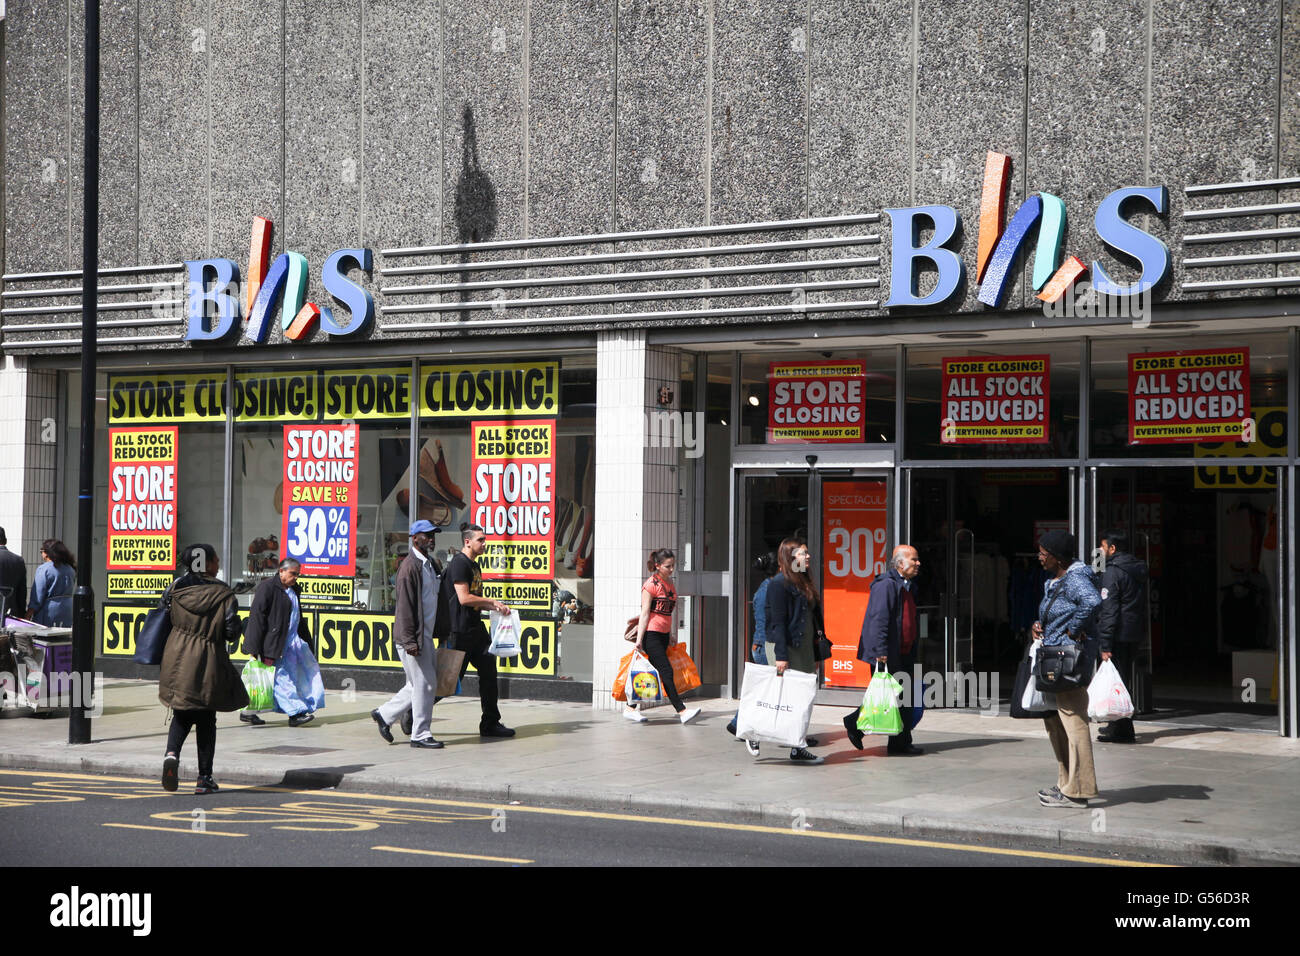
{"points": [[1194, 794]]}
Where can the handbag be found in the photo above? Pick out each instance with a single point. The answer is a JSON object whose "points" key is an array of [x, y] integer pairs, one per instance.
{"points": [[152, 639], [822, 647], [1061, 667], [629, 632]]}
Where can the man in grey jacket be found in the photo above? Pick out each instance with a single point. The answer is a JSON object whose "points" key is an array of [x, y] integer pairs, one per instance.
{"points": [[414, 619]]}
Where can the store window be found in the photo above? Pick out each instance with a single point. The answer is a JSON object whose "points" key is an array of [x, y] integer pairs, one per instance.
{"points": [[967, 402], [511, 446], [844, 397], [1190, 397], [345, 465]]}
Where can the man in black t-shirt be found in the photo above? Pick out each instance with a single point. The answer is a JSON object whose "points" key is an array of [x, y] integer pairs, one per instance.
{"points": [[467, 631]]}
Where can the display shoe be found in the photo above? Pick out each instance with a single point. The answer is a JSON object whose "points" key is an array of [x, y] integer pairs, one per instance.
{"points": [[436, 474], [563, 515], [581, 532], [585, 548]]}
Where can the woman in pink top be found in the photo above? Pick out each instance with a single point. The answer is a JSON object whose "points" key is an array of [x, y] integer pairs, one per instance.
{"points": [[655, 632]]}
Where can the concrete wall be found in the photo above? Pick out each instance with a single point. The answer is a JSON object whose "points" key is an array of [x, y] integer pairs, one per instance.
{"points": [[373, 122]]}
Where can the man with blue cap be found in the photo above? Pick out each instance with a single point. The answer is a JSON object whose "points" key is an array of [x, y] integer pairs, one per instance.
{"points": [[414, 620]]}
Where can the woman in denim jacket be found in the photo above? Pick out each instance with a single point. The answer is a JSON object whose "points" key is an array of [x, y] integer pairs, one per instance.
{"points": [[1065, 615], [794, 619]]}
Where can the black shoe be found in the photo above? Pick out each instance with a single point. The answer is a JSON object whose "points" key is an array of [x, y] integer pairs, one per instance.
{"points": [[803, 755], [851, 725], [731, 728], [408, 721], [205, 785], [496, 730], [1112, 739], [908, 751], [253, 719], [428, 744], [171, 764], [383, 727], [810, 742], [297, 720]]}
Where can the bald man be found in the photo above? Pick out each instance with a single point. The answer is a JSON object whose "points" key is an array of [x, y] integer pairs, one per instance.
{"points": [[888, 642]]}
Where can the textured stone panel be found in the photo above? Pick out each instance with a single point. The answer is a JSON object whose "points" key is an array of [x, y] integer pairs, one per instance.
{"points": [[324, 172], [174, 149], [1087, 117], [37, 150], [403, 123], [247, 118], [1214, 94], [970, 64], [117, 133], [571, 135], [1289, 131]]}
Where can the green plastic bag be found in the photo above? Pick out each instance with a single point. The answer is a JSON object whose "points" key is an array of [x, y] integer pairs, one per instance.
{"points": [[259, 681], [879, 713]]}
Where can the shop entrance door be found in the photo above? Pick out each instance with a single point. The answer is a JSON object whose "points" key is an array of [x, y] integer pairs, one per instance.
{"points": [[1210, 538], [976, 531], [845, 516]]}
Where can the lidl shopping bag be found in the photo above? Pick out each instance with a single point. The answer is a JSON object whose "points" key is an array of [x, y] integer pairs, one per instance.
{"points": [[1108, 698], [879, 713], [643, 684], [773, 708], [506, 630], [686, 675], [259, 681]]}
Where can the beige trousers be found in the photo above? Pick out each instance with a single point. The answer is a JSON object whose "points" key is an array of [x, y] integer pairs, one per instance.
{"points": [[1071, 738]]}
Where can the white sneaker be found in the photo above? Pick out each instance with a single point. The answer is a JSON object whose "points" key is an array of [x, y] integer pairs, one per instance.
{"points": [[752, 747], [687, 716], [634, 715]]}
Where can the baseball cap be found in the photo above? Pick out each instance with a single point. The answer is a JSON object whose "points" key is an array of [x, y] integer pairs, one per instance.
{"points": [[428, 527]]}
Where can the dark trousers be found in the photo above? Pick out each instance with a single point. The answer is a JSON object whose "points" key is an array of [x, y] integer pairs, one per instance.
{"points": [[475, 645], [901, 741], [656, 651], [1124, 657], [205, 722]]}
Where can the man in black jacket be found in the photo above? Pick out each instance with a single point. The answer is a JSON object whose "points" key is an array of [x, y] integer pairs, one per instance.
{"points": [[1121, 620], [13, 579], [270, 622]]}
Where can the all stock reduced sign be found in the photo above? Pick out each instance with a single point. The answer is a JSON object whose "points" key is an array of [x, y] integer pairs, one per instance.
{"points": [[512, 497], [320, 494], [1003, 400], [816, 401], [142, 499], [1189, 396]]}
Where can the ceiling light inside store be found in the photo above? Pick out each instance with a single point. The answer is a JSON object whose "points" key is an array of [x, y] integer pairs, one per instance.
{"points": [[961, 335], [753, 400], [1178, 326], [782, 342]]}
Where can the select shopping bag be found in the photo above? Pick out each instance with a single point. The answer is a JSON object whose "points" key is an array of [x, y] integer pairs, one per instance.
{"points": [[880, 713], [1108, 698], [643, 684], [686, 676], [1032, 700], [298, 687], [775, 708], [259, 681], [506, 630]]}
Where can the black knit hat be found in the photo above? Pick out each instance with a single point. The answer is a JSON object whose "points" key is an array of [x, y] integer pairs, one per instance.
{"points": [[1060, 544]]}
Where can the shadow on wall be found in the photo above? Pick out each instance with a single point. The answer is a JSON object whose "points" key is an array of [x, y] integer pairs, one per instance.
{"points": [[476, 198]]}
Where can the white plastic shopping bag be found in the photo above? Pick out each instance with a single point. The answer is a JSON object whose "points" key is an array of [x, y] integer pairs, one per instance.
{"points": [[1034, 699], [1108, 698], [775, 709], [505, 630]]}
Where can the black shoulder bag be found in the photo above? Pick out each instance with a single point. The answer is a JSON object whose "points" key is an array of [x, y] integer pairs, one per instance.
{"points": [[1061, 667]]}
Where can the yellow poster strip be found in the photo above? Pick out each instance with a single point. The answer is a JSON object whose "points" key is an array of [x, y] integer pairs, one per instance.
{"points": [[517, 558], [968, 366], [519, 594], [366, 393], [271, 396], [816, 433], [496, 441], [537, 657], [163, 399], [356, 640], [140, 584], [323, 590], [999, 431], [480, 390]]}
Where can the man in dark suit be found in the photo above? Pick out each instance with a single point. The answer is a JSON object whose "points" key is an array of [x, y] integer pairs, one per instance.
{"points": [[888, 641], [13, 579]]}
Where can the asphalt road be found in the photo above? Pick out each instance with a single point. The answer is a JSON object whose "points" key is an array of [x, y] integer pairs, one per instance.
{"points": [[66, 819]]}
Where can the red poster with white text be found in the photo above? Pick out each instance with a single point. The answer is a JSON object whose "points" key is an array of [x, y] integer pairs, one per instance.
{"points": [[816, 401], [855, 516], [1189, 396], [512, 497], [320, 498]]}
